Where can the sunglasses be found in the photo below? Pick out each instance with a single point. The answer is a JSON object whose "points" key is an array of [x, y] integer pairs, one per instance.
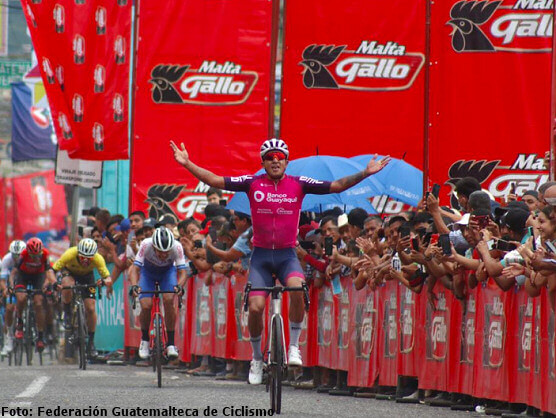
{"points": [[272, 155]]}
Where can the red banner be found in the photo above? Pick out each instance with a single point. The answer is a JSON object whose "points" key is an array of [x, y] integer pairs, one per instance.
{"points": [[490, 86], [201, 319], [364, 343], [242, 345], [323, 301], [408, 359], [388, 346], [491, 342], [435, 338], [342, 334], [83, 53], [40, 204], [202, 83], [223, 317], [355, 81]]}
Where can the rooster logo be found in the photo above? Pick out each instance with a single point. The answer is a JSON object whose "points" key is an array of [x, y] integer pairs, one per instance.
{"points": [[467, 16], [159, 198], [315, 60], [480, 170], [162, 77]]}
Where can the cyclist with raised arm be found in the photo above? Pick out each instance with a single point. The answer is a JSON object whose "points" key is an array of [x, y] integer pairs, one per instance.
{"points": [[33, 269], [76, 265], [275, 199], [9, 261], [159, 259]]}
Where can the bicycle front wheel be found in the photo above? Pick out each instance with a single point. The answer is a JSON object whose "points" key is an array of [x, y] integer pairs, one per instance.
{"points": [[276, 367], [82, 335], [28, 337], [158, 347]]}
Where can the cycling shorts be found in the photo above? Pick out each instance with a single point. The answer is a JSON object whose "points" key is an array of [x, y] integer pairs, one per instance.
{"points": [[22, 280], [166, 279], [282, 263], [87, 278]]}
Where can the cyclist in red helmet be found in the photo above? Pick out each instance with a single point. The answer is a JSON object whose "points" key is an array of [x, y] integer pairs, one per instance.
{"points": [[34, 269]]}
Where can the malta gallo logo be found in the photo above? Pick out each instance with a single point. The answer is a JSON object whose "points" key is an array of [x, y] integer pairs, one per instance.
{"points": [[371, 67], [210, 84], [487, 26]]}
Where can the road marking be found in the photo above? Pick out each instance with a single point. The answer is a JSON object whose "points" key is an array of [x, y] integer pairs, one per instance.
{"points": [[34, 388]]}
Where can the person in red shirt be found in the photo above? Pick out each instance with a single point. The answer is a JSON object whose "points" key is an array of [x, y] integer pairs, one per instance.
{"points": [[34, 269]]}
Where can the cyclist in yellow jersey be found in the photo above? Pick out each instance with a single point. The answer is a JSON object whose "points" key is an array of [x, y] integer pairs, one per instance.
{"points": [[76, 266]]}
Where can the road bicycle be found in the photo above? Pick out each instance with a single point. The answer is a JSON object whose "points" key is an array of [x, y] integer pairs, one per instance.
{"points": [[275, 350], [76, 336], [157, 329], [30, 332]]}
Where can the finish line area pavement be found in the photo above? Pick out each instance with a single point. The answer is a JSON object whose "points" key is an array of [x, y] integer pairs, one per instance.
{"points": [[102, 390]]}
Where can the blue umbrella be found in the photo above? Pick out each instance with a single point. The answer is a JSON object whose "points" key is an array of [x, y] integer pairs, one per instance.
{"points": [[399, 179], [324, 167]]}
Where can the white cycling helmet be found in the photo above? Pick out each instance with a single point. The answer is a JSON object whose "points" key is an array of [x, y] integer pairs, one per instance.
{"points": [[274, 144], [87, 247], [17, 246], [163, 239]]}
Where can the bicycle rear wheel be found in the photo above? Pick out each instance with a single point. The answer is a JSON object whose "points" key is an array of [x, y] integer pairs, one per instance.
{"points": [[18, 352], [28, 338], [276, 367], [81, 337], [158, 347]]}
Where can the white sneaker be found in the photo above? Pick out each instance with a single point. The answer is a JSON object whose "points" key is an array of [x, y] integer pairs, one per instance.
{"points": [[256, 372], [144, 351], [294, 356], [172, 352], [8, 343]]}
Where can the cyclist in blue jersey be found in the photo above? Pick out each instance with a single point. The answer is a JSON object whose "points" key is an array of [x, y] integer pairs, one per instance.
{"points": [[275, 199]]}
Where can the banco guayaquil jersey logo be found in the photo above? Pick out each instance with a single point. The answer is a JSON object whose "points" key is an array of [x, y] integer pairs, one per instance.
{"points": [[372, 66], [212, 83], [489, 26]]}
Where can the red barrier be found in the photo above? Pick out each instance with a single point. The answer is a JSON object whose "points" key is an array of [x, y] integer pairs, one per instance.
{"points": [[491, 342], [408, 357], [435, 335], [494, 344], [388, 346], [364, 330]]}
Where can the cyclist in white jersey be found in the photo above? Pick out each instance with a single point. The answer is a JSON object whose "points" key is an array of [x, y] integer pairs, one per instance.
{"points": [[9, 261], [159, 259]]}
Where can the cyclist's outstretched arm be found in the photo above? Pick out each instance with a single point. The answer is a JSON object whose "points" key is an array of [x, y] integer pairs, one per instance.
{"points": [[182, 157], [373, 167]]}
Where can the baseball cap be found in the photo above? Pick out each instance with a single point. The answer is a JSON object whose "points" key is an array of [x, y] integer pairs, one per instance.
{"points": [[533, 193], [343, 220], [149, 223], [165, 220], [464, 221], [125, 225], [305, 229], [516, 219], [513, 205]]}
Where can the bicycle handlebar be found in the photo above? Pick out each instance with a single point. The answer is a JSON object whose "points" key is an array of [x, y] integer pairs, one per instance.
{"points": [[275, 290], [156, 292], [83, 286]]}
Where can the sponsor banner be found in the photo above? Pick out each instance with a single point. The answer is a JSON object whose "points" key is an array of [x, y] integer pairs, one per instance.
{"points": [[31, 131], [535, 388], [326, 323], [109, 334], [408, 358], [435, 340], [83, 53], [214, 81], [201, 320], [40, 204], [222, 316], [356, 82], [343, 335], [548, 353], [491, 342], [462, 343], [486, 55], [77, 172], [388, 336], [242, 345], [364, 323]]}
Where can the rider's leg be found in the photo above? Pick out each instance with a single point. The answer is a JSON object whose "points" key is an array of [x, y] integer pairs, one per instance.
{"points": [[66, 299], [169, 316], [296, 309], [38, 301], [91, 314], [145, 317], [48, 315], [255, 323], [10, 308], [21, 300]]}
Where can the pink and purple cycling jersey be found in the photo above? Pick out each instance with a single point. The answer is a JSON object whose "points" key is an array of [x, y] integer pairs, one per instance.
{"points": [[275, 206]]}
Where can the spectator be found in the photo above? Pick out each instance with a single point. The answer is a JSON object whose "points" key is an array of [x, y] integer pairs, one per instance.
{"points": [[214, 195]]}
